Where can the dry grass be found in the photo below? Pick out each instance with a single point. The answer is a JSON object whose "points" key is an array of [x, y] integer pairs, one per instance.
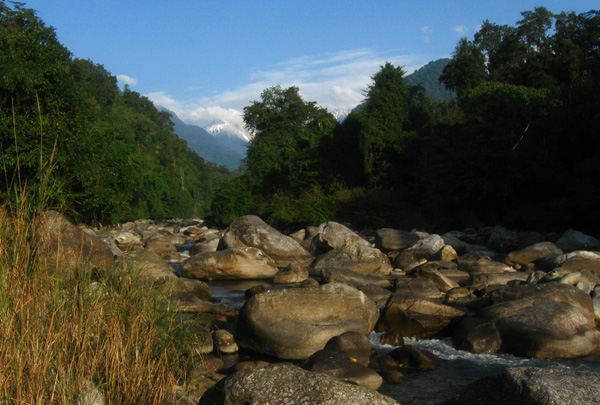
{"points": [[62, 334]]}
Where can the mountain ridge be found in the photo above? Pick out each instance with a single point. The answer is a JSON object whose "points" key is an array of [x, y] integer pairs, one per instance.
{"points": [[222, 149]]}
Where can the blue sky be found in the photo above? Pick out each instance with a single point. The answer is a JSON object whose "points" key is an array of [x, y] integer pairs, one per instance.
{"points": [[207, 59]]}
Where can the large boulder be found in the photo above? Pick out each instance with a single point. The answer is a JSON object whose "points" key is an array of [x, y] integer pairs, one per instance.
{"points": [[332, 235], [573, 261], [353, 345], [532, 253], [230, 264], [287, 384], [573, 240], [146, 264], [340, 367], [295, 323], [416, 317], [67, 246], [162, 246], [533, 386], [251, 231], [360, 259], [553, 329], [429, 244], [388, 239], [545, 320]]}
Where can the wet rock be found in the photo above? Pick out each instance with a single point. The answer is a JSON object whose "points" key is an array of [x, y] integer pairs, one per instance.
{"points": [[411, 356], [546, 320], [287, 384], [353, 345], [338, 366], [251, 231], [416, 317], [230, 264], [295, 323], [477, 335], [392, 339]]}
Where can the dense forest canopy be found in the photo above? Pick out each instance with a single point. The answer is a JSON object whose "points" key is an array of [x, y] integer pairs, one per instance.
{"points": [[518, 146], [102, 154]]}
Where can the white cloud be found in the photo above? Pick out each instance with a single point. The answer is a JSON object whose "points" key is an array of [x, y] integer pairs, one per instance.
{"points": [[335, 81], [130, 81], [426, 31], [460, 29]]}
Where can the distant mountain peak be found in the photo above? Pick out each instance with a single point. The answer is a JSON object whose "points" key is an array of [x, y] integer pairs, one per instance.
{"points": [[219, 128]]}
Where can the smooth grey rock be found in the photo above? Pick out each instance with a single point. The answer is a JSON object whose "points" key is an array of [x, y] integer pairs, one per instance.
{"points": [[360, 259], [388, 239], [338, 366], [332, 235], [533, 386], [230, 264], [251, 231], [287, 384], [354, 345], [296, 322], [532, 253]]}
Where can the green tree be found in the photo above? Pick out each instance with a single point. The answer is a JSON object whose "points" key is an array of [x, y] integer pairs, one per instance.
{"points": [[286, 134]]}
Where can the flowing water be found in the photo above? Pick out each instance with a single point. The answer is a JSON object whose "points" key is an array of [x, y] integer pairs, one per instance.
{"points": [[457, 370]]}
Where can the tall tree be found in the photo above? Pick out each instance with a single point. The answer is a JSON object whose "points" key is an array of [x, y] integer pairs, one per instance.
{"points": [[286, 133]]}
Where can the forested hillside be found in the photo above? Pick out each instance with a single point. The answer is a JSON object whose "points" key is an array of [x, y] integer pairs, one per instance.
{"points": [[104, 155], [519, 146], [428, 76]]}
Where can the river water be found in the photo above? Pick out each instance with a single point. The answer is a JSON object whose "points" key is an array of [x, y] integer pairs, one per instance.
{"points": [[457, 370]]}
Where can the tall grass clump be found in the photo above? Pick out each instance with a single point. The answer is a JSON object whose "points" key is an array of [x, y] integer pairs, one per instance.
{"points": [[69, 334]]}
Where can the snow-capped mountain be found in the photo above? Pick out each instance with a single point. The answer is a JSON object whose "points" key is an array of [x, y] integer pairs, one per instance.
{"points": [[340, 114], [228, 129]]}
